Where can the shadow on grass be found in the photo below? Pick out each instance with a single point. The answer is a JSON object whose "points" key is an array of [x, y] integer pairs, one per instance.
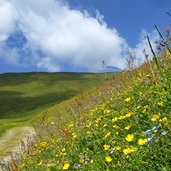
{"points": [[13, 105], [14, 79]]}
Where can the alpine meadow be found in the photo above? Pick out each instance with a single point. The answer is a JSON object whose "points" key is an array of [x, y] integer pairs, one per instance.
{"points": [[121, 124], [85, 85]]}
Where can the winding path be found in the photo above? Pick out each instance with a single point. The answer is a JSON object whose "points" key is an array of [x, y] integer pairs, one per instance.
{"points": [[11, 141]]}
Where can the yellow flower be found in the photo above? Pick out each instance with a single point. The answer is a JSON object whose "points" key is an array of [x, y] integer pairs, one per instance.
{"points": [[88, 125], [43, 144], [88, 132], [155, 117], [66, 166], [105, 125], [129, 137], [106, 147], [138, 107], [108, 159], [22, 165], [50, 165], [145, 109], [114, 119], [128, 99], [115, 126], [118, 148], [40, 163], [142, 141], [108, 134], [165, 121], [155, 131], [160, 104], [106, 112], [71, 125], [74, 135], [128, 150], [128, 115], [91, 113], [97, 120], [113, 142], [128, 127], [82, 161], [122, 117]]}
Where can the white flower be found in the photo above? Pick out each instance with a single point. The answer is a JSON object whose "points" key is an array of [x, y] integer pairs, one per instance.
{"points": [[149, 139], [147, 131], [154, 128], [164, 133], [112, 150]]}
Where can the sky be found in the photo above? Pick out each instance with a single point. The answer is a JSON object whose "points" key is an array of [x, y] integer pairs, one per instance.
{"points": [[77, 35]]}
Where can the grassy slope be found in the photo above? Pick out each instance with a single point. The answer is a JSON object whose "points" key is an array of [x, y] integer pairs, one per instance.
{"points": [[128, 128], [24, 95]]}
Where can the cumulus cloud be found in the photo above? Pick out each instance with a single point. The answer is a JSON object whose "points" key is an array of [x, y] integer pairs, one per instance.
{"points": [[8, 16], [57, 35], [143, 44], [47, 63], [64, 35]]}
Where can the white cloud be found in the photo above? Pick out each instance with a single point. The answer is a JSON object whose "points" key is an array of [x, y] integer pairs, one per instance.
{"points": [[63, 35], [8, 16], [47, 63], [66, 35], [143, 44]]}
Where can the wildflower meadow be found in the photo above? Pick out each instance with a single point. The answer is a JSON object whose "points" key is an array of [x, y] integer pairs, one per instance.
{"points": [[124, 125]]}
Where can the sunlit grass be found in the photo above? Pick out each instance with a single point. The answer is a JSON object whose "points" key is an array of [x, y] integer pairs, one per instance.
{"points": [[126, 129], [26, 95]]}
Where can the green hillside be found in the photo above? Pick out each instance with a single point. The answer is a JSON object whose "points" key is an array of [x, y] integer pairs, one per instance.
{"points": [[23, 95]]}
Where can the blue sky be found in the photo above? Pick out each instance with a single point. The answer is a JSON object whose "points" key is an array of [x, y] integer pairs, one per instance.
{"points": [[129, 17], [76, 35]]}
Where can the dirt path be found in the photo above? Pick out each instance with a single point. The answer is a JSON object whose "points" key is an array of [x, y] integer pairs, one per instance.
{"points": [[11, 141]]}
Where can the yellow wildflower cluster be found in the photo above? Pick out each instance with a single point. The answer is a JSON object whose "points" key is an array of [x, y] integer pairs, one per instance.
{"points": [[128, 150], [128, 127], [106, 147], [155, 117], [128, 99], [128, 115], [107, 134], [107, 112], [43, 144], [142, 141], [165, 121]]}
